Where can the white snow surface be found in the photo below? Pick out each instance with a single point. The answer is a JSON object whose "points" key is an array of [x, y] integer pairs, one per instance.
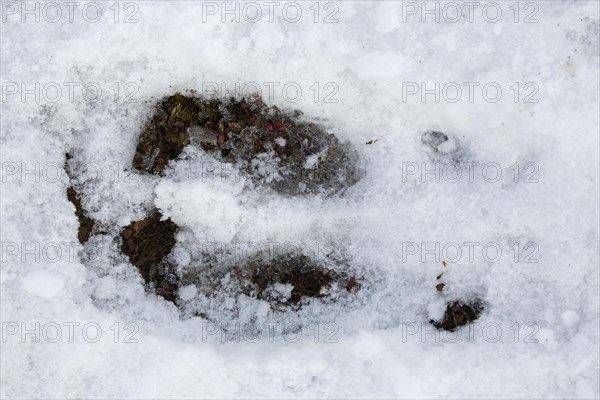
{"points": [[365, 348]]}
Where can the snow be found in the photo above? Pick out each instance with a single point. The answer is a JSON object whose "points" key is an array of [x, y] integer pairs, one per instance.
{"points": [[43, 284], [280, 141], [538, 336], [570, 318]]}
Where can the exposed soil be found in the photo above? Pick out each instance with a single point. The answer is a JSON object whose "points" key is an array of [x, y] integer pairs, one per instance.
{"points": [[147, 243], [165, 136], [458, 314], [301, 157], [306, 277], [86, 224]]}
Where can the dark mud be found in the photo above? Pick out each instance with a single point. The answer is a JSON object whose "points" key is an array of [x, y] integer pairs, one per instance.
{"points": [[458, 314], [271, 147], [86, 224], [307, 278], [147, 243]]}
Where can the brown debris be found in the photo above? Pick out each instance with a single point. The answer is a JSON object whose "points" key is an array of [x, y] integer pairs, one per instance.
{"points": [[309, 160], [458, 314], [147, 243], [308, 279], [86, 224]]}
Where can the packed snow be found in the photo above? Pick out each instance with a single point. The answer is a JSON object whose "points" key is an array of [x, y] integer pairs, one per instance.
{"points": [[506, 209]]}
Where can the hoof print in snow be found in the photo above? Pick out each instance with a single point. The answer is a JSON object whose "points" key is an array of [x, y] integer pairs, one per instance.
{"points": [[287, 280], [86, 224], [441, 146], [271, 147], [458, 314], [147, 243], [433, 139]]}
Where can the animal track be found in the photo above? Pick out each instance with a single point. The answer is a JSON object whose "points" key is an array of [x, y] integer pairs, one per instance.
{"points": [[307, 160]]}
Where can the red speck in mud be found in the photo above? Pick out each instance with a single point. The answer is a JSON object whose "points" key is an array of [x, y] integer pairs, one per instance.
{"points": [[220, 138]]}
